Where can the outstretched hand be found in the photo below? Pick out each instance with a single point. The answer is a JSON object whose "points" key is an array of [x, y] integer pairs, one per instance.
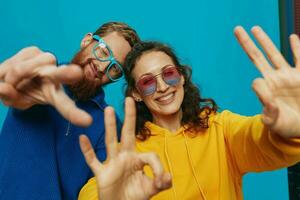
{"points": [[31, 77], [122, 177], [279, 89]]}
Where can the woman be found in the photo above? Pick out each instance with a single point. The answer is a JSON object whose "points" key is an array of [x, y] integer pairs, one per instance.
{"points": [[206, 152]]}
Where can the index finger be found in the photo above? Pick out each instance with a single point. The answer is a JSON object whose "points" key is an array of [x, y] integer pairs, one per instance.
{"points": [[128, 130], [153, 160], [256, 56]]}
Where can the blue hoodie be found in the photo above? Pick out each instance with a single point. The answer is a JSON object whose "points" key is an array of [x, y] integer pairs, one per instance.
{"points": [[40, 157]]}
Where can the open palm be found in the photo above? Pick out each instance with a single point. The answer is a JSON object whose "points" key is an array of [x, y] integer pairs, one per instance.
{"points": [[279, 89]]}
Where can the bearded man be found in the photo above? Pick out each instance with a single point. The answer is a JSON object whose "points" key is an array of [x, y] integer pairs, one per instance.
{"points": [[50, 107]]}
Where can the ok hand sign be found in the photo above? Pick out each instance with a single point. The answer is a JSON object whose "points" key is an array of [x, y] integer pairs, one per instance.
{"points": [[121, 176]]}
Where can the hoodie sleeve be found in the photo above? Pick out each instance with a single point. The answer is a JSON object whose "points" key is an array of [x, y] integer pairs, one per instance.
{"points": [[89, 191], [254, 148]]}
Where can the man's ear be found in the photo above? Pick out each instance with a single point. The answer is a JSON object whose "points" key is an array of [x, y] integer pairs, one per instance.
{"points": [[136, 96], [86, 40]]}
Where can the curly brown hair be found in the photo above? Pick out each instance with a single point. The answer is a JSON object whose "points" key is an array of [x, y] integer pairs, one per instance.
{"points": [[192, 104]]}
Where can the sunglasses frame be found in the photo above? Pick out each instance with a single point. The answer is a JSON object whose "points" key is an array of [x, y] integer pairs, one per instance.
{"points": [[155, 78]]}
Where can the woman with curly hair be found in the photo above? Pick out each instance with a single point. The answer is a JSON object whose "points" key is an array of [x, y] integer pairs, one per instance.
{"points": [[206, 153]]}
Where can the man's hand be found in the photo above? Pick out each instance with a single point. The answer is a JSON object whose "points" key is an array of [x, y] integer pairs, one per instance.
{"points": [[121, 177], [31, 77], [279, 89]]}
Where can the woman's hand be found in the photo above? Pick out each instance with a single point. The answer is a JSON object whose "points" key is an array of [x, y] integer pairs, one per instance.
{"points": [[279, 89], [121, 176]]}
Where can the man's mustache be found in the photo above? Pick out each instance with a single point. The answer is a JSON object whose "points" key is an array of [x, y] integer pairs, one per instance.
{"points": [[86, 62]]}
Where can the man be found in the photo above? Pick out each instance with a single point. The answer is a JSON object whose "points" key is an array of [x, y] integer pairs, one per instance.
{"points": [[39, 148]]}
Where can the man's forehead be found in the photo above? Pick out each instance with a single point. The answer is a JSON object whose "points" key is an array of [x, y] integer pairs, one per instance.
{"points": [[118, 44]]}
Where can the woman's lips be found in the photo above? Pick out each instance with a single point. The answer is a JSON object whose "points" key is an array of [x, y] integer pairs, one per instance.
{"points": [[166, 99]]}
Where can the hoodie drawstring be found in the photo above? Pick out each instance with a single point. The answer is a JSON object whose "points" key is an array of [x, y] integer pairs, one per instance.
{"points": [[170, 167], [192, 166]]}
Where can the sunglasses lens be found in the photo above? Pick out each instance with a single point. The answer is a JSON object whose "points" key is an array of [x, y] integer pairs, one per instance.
{"points": [[171, 76], [147, 85]]}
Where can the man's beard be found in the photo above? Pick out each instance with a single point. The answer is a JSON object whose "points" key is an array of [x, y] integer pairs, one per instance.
{"points": [[84, 89]]}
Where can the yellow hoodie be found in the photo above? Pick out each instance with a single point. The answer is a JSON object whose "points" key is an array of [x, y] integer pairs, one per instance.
{"points": [[210, 165]]}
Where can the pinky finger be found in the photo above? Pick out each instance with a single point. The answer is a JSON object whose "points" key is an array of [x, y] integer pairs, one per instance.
{"points": [[89, 154], [295, 45]]}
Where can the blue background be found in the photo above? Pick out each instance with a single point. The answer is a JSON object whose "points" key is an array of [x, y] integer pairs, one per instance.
{"points": [[201, 31]]}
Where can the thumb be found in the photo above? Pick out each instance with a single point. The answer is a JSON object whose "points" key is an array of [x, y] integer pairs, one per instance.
{"points": [[65, 74], [270, 113], [262, 90], [68, 109]]}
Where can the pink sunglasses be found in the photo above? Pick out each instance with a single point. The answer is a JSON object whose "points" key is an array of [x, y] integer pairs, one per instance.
{"points": [[147, 84]]}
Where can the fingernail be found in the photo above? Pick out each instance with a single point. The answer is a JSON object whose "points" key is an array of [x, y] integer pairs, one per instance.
{"points": [[158, 184]]}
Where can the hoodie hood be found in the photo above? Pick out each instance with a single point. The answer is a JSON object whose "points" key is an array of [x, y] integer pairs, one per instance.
{"points": [[166, 140]]}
